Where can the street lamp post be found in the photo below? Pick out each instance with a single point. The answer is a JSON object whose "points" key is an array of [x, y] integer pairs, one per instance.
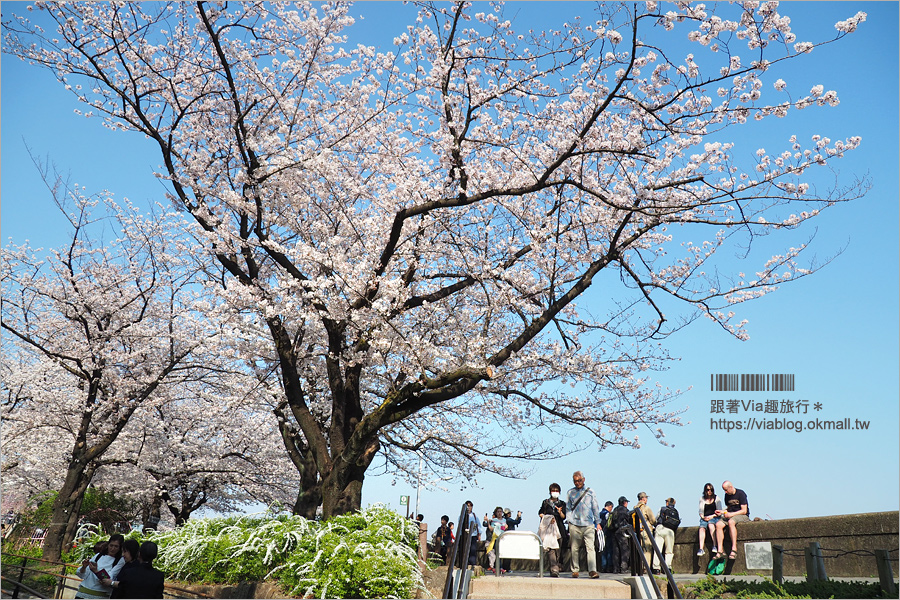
{"points": [[418, 483]]}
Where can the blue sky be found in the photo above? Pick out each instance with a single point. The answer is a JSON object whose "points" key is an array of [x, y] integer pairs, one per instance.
{"points": [[837, 331]]}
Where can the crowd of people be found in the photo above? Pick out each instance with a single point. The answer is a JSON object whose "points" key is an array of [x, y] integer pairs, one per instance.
{"points": [[575, 529], [121, 568]]}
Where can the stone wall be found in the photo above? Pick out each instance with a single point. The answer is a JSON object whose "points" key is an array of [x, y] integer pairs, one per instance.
{"points": [[842, 533], [865, 532]]}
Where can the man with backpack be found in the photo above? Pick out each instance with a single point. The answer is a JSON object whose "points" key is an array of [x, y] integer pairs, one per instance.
{"points": [[621, 534], [667, 524], [606, 524]]}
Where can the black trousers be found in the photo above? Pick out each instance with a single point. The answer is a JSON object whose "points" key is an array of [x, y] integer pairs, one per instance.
{"points": [[621, 552]]}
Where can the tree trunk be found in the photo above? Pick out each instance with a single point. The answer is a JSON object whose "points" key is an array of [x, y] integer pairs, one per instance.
{"points": [[66, 508], [150, 514], [308, 501], [342, 487], [341, 498], [309, 496]]}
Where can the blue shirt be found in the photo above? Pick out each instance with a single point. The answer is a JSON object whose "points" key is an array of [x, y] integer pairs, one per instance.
{"points": [[588, 510], [604, 514], [473, 526]]}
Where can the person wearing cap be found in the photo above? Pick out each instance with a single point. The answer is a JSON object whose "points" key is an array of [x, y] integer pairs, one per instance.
{"points": [[645, 510], [621, 531], [511, 525], [583, 514], [667, 524]]}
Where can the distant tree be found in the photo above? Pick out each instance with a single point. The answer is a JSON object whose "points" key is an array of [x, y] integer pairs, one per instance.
{"points": [[101, 327], [216, 450], [416, 229]]}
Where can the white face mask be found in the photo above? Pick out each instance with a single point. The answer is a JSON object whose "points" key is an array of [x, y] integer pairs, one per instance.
{"points": [[554, 495]]}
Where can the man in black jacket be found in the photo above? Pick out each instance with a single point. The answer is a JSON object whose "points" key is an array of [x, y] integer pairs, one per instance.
{"points": [[143, 581], [621, 533]]}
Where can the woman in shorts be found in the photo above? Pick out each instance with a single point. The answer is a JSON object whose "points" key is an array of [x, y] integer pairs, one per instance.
{"points": [[709, 504]]}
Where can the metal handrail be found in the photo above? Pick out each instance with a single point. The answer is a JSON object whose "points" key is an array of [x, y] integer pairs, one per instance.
{"points": [[19, 585], [168, 587], [673, 587], [463, 534], [52, 562]]}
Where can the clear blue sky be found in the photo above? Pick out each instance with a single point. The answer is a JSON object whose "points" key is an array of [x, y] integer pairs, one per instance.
{"points": [[837, 331]]}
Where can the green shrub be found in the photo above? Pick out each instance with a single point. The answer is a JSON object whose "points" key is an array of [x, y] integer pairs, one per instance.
{"points": [[370, 554]]}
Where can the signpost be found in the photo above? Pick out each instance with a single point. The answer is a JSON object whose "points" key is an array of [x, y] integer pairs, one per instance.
{"points": [[404, 501]]}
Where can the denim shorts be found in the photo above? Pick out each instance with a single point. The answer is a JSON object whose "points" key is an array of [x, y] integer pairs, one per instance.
{"points": [[712, 521]]}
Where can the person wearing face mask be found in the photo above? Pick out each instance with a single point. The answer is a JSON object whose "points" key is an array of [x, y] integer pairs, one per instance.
{"points": [[554, 527]]}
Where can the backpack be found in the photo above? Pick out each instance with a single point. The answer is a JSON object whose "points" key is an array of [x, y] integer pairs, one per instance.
{"points": [[620, 519], [669, 518]]}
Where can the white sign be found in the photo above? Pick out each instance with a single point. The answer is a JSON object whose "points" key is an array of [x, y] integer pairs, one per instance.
{"points": [[758, 555]]}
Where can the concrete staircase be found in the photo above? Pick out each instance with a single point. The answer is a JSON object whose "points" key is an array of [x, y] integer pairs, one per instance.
{"points": [[529, 585]]}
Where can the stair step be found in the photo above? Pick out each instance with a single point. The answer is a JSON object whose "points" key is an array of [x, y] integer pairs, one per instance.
{"points": [[514, 586]]}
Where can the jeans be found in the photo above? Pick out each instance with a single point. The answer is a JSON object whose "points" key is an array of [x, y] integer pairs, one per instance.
{"points": [[606, 555]]}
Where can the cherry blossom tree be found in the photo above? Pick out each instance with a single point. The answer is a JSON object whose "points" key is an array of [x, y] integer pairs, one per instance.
{"points": [[98, 329], [214, 448], [417, 228]]}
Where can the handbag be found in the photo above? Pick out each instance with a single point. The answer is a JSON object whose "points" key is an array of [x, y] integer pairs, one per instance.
{"points": [[716, 566]]}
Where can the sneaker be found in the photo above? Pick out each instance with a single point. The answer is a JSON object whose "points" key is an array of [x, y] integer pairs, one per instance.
{"points": [[701, 552], [715, 550], [594, 574], [490, 570], [575, 574], [554, 573]]}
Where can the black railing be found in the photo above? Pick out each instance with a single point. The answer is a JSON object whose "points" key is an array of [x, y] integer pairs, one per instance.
{"points": [[464, 539], [62, 579], [19, 585], [21, 563], [635, 539]]}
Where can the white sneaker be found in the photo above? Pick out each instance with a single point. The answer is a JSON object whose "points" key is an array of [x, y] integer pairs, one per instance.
{"points": [[701, 552], [715, 550]]}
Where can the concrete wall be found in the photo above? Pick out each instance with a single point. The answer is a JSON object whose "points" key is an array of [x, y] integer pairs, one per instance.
{"points": [[842, 533], [865, 532]]}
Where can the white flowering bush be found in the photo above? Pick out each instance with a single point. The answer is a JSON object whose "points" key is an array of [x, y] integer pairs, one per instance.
{"points": [[368, 554]]}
